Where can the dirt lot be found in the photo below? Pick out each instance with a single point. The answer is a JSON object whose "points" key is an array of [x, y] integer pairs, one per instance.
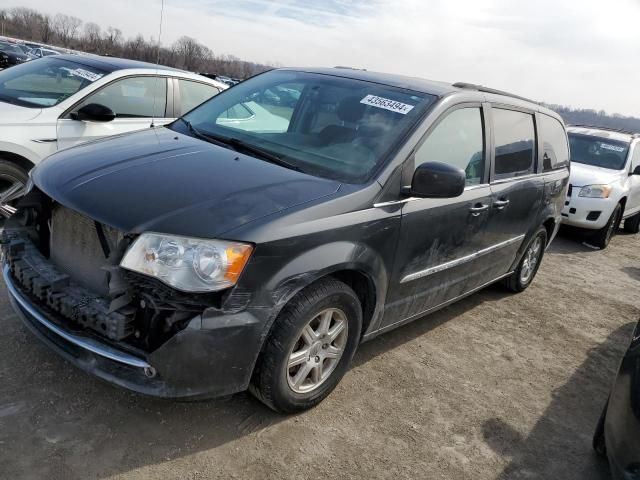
{"points": [[496, 386]]}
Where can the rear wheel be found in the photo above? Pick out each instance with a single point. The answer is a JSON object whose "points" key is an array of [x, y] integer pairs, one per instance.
{"points": [[310, 347], [526, 270], [13, 181], [603, 236], [632, 224]]}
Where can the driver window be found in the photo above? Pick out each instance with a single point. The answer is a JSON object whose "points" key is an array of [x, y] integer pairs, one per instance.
{"points": [[457, 140], [133, 97]]}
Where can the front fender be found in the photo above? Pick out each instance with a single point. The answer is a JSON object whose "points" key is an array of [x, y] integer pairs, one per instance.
{"points": [[312, 265]]}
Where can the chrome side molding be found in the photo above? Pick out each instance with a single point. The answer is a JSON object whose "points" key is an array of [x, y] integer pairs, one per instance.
{"points": [[394, 202], [85, 343], [459, 261]]}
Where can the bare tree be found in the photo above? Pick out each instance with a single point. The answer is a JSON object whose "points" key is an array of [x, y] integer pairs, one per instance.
{"points": [[113, 40], [66, 27], [190, 52], [186, 52], [46, 28], [92, 36]]}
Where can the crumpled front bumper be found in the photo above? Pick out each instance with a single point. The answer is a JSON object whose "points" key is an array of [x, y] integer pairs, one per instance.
{"points": [[213, 356]]}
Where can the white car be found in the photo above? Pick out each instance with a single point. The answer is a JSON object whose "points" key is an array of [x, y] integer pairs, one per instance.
{"points": [[63, 100], [604, 186]]}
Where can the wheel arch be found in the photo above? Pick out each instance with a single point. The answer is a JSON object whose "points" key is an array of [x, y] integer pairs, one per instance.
{"points": [[354, 263], [16, 159]]}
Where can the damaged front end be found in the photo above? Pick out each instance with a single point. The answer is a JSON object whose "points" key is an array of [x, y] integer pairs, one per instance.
{"points": [[64, 279]]}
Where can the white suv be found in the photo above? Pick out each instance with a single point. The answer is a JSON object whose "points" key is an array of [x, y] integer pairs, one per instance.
{"points": [[63, 100], [604, 187]]}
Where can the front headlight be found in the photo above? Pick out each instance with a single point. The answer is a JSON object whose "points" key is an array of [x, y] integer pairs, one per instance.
{"points": [[595, 191], [188, 264]]}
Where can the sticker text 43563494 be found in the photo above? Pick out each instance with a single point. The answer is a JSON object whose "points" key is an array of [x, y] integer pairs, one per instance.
{"points": [[387, 104]]}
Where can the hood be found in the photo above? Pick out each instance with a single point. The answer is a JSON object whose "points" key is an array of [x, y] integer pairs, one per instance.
{"points": [[12, 114], [162, 181], [582, 174]]}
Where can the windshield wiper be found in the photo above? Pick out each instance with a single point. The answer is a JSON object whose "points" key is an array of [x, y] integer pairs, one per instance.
{"points": [[238, 145]]}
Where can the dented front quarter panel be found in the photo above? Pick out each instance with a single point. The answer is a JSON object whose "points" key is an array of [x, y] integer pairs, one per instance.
{"points": [[303, 245]]}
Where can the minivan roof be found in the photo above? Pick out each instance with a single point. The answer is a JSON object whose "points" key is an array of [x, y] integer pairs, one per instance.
{"points": [[432, 87]]}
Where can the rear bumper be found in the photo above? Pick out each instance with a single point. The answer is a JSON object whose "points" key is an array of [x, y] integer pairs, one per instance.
{"points": [[213, 356]]}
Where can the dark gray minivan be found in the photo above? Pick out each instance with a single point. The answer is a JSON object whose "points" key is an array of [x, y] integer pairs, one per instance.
{"points": [[255, 242]]}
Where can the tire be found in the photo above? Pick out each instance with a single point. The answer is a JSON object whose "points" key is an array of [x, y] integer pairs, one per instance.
{"points": [[632, 224], [528, 266], [603, 236], [13, 179], [599, 444], [279, 386]]}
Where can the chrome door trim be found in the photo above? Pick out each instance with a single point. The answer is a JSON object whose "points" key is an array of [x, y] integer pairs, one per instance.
{"points": [[85, 343], [459, 261], [394, 202]]}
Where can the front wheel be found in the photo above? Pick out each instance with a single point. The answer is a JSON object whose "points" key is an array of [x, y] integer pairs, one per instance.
{"points": [[603, 236], [526, 270], [310, 347]]}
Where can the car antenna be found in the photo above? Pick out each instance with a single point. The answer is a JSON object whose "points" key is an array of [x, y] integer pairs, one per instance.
{"points": [[155, 83]]}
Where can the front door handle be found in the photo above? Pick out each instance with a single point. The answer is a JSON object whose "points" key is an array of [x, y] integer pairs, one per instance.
{"points": [[501, 204], [477, 209]]}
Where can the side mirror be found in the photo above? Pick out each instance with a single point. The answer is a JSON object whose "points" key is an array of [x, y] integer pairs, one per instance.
{"points": [[636, 171], [94, 112], [437, 180]]}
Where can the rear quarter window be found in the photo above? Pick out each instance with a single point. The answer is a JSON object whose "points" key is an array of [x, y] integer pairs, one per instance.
{"points": [[555, 149]]}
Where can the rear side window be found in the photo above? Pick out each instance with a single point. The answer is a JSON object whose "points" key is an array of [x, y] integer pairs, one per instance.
{"points": [[459, 141], [514, 135], [555, 149], [193, 94]]}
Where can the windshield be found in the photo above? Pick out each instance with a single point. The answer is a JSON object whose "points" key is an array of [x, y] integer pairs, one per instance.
{"points": [[598, 151], [45, 82], [324, 125]]}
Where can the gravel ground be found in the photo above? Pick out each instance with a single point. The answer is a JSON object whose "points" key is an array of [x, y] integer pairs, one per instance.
{"points": [[496, 386]]}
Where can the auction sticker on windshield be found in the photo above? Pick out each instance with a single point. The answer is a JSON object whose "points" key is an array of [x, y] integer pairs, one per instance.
{"points": [[614, 148], [387, 104], [86, 74]]}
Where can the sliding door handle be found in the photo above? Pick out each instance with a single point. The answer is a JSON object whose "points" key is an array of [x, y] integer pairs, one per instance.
{"points": [[478, 208], [500, 204]]}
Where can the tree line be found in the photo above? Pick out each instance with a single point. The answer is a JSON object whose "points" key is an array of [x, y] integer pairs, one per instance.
{"points": [[581, 116], [187, 53], [71, 32]]}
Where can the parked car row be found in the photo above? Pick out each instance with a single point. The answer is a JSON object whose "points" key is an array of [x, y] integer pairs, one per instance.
{"points": [[14, 53], [255, 241]]}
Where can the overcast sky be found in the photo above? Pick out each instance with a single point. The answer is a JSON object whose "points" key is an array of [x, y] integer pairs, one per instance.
{"points": [[582, 53]]}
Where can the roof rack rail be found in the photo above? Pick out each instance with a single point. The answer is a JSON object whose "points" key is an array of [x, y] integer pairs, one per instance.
{"points": [[609, 129], [480, 88]]}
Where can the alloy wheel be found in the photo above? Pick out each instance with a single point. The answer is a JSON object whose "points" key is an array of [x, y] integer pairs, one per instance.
{"points": [[530, 260], [11, 189], [317, 351]]}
